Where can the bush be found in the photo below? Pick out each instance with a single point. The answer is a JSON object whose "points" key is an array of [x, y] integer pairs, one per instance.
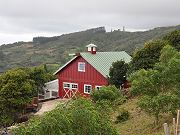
{"points": [[122, 116], [106, 93], [80, 117]]}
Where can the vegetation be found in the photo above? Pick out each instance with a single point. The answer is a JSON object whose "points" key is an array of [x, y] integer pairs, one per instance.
{"points": [[16, 91], [80, 117], [106, 93], [117, 73], [159, 86], [154, 86], [146, 57], [122, 116], [17, 87], [55, 50], [40, 77], [174, 39], [139, 122]]}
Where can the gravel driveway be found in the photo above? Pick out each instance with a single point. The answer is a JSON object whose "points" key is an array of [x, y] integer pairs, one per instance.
{"points": [[50, 105]]}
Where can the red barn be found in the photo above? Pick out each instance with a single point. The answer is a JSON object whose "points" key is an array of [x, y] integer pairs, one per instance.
{"points": [[87, 71]]}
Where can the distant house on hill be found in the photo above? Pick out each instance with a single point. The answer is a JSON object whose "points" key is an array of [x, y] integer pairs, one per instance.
{"points": [[87, 71]]}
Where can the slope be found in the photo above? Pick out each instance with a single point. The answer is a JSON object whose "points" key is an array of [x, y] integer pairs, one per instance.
{"points": [[55, 50]]}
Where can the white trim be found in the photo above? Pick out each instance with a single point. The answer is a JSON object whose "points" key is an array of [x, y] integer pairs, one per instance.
{"points": [[74, 84], [85, 88], [89, 49], [66, 83], [79, 66], [97, 87], [70, 85], [65, 65], [54, 81]]}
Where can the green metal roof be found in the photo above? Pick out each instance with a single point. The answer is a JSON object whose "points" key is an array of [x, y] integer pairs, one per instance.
{"points": [[102, 61]]}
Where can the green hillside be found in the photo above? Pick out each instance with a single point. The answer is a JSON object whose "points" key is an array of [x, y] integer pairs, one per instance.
{"points": [[54, 50]]}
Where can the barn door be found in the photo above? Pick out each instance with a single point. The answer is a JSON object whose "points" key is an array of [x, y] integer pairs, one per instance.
{"points": [[70, 89]]}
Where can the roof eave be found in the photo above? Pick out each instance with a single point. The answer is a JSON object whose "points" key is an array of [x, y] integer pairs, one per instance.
{"points": [[55, 73]]}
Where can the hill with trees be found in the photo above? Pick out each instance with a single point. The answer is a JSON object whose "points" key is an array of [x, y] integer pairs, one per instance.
{"points": [[54, 50], [152, 99]]}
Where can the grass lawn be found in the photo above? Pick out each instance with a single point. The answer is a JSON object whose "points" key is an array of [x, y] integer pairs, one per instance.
{"points": [[139, 122]]}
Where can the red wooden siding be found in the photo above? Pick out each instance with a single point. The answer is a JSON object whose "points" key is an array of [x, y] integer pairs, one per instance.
{"points": [[71, 74]]}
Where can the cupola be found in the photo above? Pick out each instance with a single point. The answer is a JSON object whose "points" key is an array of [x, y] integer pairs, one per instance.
{"points": [[91, 48]]}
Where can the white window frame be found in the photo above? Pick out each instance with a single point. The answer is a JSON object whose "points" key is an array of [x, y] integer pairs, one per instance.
{"points": [[85, 88], [70, 85], [89, 48], [74, 84], [97, 86], [66, 83], [79, 63]]}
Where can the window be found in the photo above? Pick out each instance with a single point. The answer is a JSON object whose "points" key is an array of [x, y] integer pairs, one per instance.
{"points": [[98, 87], [87, 88], [66, 85], [94, 49], [70, 85], [89, 48], [81, 66], [74, 86]]}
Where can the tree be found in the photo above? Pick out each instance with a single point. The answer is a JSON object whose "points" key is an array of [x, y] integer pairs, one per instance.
{"points": [[167, 53], [117, 73], [173, 39], [39, 75], [16, 91], [147, 56], [162, 103], [159, 86]]}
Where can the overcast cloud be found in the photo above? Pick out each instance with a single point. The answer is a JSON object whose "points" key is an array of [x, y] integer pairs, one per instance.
{"points": [[22, 19]]}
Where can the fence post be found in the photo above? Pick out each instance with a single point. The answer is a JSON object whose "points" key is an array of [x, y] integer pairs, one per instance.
{"points": [[166, 129], [174, 126], [177, 122]]}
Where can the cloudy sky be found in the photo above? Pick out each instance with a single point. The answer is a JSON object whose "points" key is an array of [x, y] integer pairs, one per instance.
{"points": [[20, 20]]}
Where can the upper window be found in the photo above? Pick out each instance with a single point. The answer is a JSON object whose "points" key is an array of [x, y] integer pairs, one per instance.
{"points": [[87, 88], [89, 48], [81, 66]]}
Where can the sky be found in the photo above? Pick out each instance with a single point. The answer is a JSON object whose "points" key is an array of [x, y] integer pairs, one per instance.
{"points": [[21, 20]]}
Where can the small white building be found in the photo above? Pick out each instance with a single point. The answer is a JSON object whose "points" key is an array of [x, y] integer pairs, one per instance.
{"points": [[50, 90]]}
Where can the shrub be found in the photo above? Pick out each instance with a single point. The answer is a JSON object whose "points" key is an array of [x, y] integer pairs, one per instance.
{"points": [[80, 117], [106, 93], [122, 116]]}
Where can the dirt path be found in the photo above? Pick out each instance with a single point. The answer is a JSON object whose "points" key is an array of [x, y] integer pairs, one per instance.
{"points": [[50, 105]]}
